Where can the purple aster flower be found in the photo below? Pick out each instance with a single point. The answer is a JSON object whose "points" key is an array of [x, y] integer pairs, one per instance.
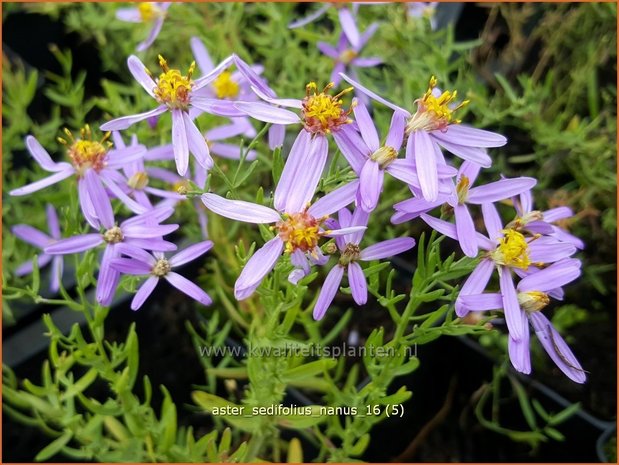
{"points": [[537, 221], [94, 164], [177, 93], [346, 17], [40, 240], [157, 266], [140, 232], [507, 250], [299, 229], [434, 125], [350, 256], [146, 12], [463, 194], [423, 10], [370, 159], [533, 294], [346, 56]]}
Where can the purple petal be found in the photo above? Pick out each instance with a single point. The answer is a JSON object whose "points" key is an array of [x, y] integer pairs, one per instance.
{"points": [[328, 50], [257, 267], [500, 190], [40, 184], [144, 292], [191, 289], [474, 154], [475, 284], [119, 193], [157, 245], [559, 213], [482, 302], [467, 236], [544, 250], [163, 152], [86, 204], [52, 221], [277, 133], [388, 248], [309, 18], [352, 147], [119, 124], [417, 205], [26, 267], [130, 266], [137, 253], [56, 274], [74, 244], [349, 27], [470, 170], [421, 147], [267, 113], [179, 140], [557, 349], [152, 35], [376, 97], [140, 73], [564, 236], [212, 75], [492, 221], [556, 275], [514, 315], [197, 143], [395, 136], [252, 77], [370, 185], [201, 55], [444, 227], [31, 235], [334, 200], [358, 284], [296, 158], [470, 137], [240, 210], [519, 353], [366, 125], [328, 291], [99, 198], [108, 278], [42, 157], [215, 107], [368, 62], [191, 253], [368, 33], [130, 15], [138, 231]]}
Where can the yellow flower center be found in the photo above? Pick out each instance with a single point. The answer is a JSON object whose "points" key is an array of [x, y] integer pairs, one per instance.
{"points": [[434, 112], [323, 113], [533, 301], [347, 56], [384, 156], [84, 152], [181, 187], [462, 189], [138, 181], [351, 253], [162, 267], [512, 251], [148, 11], [300, 231], [225, 87], [113, 235], [173, 89]]}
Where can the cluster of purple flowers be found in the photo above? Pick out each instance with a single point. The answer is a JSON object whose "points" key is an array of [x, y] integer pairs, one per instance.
{"points": [[530, 248]]}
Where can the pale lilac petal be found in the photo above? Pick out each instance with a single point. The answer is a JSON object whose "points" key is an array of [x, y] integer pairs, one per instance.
{"points": [[470, 170], [257, 267], [52, 221], [335, 77], [144, 292], [370, 184], [200, 53], [56, 273], [402, 217], [421, 146], [543, 250], [137, 253], [470, 137], [344, 231], [26, 267], [123, 157], [334, 200], [86, 205], [557, 349], [540, 227], [442, 226], [556, 275], [358, 284], [42, 157], [559, 213], [191, 253], [519, 353], [328, 291], [191, 289], [417, 205], [405, 171], [267, 113], [366, 125], [179, 140], [130, 266], [152, 35], [474, 154], [328, 50], [359, 218], [120, 194], [130, 15], [99, 198], [368, 33], [74, 244], [252, 77], [163, 152], [108, 278], [296, 159], [302, 267], [124, 122], [492, 220], [500, 190], [352, 147], [137, 231], [307, 175], [42, 183], [240, 210], [482, 302], [231, 152], [474, 284], [31, 235], [373, 95], [277, 134], [388, 248], [515, 317], [368, 62], [197, 143], [349, 26], [564, 236], [309, 18], [395, 136], [140, 73], [215, 106], [154, 244], [465, 229]]}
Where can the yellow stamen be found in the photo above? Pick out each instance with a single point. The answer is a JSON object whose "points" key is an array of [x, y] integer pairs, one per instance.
{"points": [[114, 235], [323, 113], [434, 112], [512, 251], [173, 89], [300, 231], [462, 189], [351, 253], [86, 153], [533, 301], [138, 181], [384, 156], [161, 268], [225, 87], [149, 11], [347, 56]]}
